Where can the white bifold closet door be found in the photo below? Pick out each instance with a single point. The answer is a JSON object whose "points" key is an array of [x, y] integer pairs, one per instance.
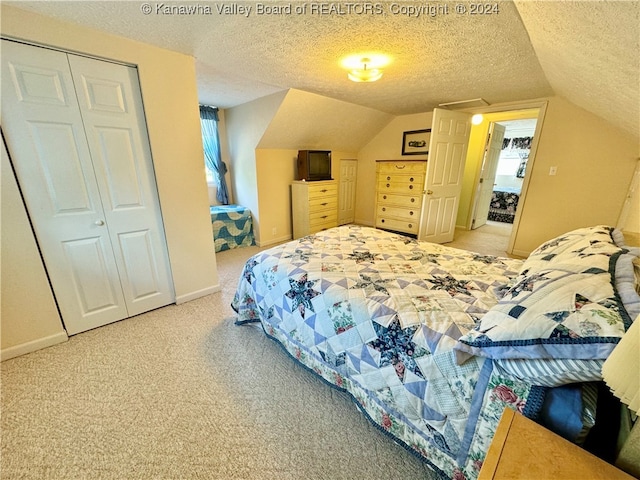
{"points": [[76, 133]]}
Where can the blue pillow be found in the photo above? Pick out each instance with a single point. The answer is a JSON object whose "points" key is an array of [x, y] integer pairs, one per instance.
{"points": [[569, 411]]}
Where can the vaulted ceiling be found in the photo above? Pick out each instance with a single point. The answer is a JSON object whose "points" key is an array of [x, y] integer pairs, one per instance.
{"points": [[585, 51]]}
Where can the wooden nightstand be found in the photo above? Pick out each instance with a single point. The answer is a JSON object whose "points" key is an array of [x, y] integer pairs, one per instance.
{"points": [[522, 450]]}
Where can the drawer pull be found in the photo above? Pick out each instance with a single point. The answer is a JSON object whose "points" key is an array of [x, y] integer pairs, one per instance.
{"points": [[413, 200], [382, 221], [411, 179], [400, 167], [410, 187], [411, 212], [388, 185], [384, 209], [324, 190], [388, 178], [410, 226], [324, 216], [384, 196], [323, 204]]}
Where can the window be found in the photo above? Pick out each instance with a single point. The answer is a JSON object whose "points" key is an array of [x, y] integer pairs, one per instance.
{"points": [[215, 167]]}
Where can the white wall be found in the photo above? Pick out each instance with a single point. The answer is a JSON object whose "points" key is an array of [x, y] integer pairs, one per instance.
{"points": [[28, 312], [594, 163], [245, 126], [276, 171], [264, 138], [386, 145]]}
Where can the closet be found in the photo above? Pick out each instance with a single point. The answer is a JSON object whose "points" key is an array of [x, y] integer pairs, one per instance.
{"points": [[76, 134]]}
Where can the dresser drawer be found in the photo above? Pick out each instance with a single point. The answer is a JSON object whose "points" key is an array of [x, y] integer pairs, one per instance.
{"points": [[323, 203], [407, 201], [400, 213], [321, 216], [318, 227], [401, 167], [401, 178], [319, 191], [400, 187], [397, 225], [314, 206]]}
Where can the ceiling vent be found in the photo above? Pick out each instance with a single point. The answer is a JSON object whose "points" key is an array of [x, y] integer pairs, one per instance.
{"points": [[474, 102]]}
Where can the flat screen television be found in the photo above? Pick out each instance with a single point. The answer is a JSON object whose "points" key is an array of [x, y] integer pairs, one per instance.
{"points": [[314, 165]]}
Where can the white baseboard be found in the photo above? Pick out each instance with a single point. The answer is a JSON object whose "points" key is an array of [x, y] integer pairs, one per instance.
{"points": [[197, 294], [32, 346], [273, 241], [520, 253]]}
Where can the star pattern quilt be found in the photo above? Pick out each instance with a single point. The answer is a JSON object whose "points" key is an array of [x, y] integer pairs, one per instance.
{"points": [[378, 315]]}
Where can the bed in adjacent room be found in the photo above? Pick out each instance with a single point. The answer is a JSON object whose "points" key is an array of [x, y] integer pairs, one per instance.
{"points": [[504, 201], [433, 342]]}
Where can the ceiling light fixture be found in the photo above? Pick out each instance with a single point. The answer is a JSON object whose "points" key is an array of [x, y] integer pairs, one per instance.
{"points": [[366, 73], [365, 68]]}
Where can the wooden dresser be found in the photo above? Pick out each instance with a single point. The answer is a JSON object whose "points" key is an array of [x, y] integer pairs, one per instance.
{"points": [[399, 193], [523, 450], [314, 206]]}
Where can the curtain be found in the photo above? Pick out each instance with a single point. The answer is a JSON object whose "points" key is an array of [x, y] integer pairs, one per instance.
{"points": [[211, 144]]}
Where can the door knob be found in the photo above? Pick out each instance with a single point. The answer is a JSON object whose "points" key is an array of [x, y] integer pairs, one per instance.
{"points": [[429, 192], [99, 222]]}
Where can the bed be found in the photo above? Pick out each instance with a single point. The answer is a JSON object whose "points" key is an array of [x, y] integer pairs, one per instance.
{"points": [[504, 202], [428, 339], [232, 227]]}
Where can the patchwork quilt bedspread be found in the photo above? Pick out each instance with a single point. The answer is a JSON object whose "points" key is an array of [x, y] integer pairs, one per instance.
{"points": [[377, 315]]}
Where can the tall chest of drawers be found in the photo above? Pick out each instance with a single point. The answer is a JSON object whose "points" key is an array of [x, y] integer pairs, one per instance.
{"points": [[314, 206], [399, 193]]}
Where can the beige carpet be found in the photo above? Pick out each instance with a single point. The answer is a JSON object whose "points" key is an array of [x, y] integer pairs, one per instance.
{"points": [[183, 393]]}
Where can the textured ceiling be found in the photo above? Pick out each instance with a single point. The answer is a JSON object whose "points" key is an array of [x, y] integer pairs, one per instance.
{"points": [[590, 53], [585, 51]]}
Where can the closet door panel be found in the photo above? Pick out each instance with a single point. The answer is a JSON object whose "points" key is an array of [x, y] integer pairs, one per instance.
{"points": [[111, 107], [120, 168], [89, 266], [142, 272], [58, 161], [49, 152]]}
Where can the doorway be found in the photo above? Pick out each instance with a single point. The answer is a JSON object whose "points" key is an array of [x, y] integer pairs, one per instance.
{"points": [[510, 172], [503, 172]]}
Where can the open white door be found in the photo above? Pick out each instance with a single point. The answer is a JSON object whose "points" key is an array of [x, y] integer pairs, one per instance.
{"points": [[624, 222], [445, 168], [488, 174]]}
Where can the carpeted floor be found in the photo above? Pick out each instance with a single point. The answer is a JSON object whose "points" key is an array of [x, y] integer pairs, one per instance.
{"points": [[183, 393]]}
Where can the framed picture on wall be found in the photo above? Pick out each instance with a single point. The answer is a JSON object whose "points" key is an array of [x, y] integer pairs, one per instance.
{"points": [[416, 142]]}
